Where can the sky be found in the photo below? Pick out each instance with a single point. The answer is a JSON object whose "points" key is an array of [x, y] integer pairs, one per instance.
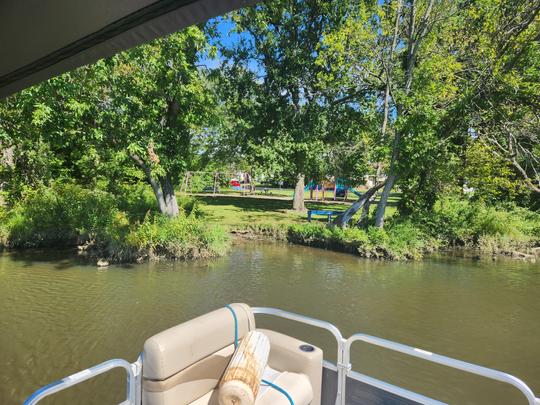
{"points": [[226, 38]]}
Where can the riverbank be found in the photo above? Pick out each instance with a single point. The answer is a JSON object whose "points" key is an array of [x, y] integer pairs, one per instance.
{"points": [[125, 227], [108, 228], [454, 225]]}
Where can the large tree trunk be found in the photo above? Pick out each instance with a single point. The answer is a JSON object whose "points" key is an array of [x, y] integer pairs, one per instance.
{"points": [[390, 180], [298, 199], [343, 219], [169, 197], [381, 207], [364, 216], [162, 187]]}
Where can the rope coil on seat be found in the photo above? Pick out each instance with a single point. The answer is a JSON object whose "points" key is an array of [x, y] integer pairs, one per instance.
{"points": [[266, 382]]}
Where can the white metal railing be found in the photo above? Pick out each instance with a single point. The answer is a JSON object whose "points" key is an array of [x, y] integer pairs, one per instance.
{"points": [[443, 360], [132, 371], [343, 367]]}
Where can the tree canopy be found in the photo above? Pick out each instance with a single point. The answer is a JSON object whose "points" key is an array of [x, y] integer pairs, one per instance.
{"points": [[429, 96]]}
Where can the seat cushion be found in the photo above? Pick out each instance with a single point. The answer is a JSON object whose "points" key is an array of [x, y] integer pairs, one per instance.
{"points": [[190, 383], [296, 385]]}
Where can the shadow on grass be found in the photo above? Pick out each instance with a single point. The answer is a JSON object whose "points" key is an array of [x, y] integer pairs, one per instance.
{"points": [[247, 203]]}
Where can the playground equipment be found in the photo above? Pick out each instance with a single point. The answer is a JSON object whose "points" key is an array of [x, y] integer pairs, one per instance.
{"points": [[338, 188], [212, 181]]}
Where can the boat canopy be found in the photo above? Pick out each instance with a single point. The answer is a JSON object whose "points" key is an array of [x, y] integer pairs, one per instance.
{"points": [[44, 38]]}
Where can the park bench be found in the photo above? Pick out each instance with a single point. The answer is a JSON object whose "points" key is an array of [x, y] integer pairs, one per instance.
{"points": [[327, 213]]}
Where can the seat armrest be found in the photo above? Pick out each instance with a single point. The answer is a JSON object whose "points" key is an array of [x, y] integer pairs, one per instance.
{"points": [[286, 355]]}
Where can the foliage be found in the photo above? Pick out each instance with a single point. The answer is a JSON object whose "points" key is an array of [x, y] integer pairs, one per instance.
{"points": [[439, 97], [457, 221], [61, 215], [183, 237], [400, 242], [146, 106], [277, 114], [490, 177], [67, 215]]}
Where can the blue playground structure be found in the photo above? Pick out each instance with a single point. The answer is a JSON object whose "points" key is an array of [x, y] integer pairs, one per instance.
{"points": [[339, 189]]}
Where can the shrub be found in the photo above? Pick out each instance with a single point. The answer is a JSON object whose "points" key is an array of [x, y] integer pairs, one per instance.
{"points": [[59, 215], [182, 237], [136, 200], [474, 224], [66, 215], [403, 241]]}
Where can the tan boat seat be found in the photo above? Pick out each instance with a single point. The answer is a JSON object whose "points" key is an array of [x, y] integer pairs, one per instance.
{"points": [[296, 385], [183, 365]]}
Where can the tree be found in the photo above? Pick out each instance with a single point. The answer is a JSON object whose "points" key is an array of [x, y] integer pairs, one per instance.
{"points": [[156, 101], [279, 44], [51, 132], [396, 52], [501, 83]]}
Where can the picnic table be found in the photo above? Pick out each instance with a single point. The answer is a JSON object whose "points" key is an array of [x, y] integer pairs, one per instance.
{"points": [[327, 213]]}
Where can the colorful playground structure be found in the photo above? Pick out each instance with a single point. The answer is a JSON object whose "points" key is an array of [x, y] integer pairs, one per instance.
{"points": [[214, 181], [337, 188]]}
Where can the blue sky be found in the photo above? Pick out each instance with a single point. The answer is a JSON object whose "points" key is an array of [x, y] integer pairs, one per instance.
{"points": [[225, 38]]}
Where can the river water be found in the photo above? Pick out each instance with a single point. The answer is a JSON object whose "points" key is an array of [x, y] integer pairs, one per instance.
{"points": [[59, 315]]}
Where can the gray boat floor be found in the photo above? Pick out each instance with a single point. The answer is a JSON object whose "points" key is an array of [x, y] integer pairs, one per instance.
{"points": [[358, 393]]}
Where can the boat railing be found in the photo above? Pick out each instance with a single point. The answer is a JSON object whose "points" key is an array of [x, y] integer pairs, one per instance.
{"points": [[343, 367], [439, 359], [132, 389]]}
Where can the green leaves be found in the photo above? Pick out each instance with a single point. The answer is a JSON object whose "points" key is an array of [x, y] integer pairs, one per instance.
{"points": [[41, 114]]}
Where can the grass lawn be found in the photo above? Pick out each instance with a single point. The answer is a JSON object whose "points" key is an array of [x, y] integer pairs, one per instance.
{"points": [[239, 211]]}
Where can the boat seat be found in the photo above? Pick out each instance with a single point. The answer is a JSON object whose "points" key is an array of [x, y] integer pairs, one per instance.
{"points": [[296, 385], [183, 365]]}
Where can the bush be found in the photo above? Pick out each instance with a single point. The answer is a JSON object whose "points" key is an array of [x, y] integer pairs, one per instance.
{"points": [[460, 222], [58, 216], [122, 229], [403, 241], [183, 237], [137, 200]]}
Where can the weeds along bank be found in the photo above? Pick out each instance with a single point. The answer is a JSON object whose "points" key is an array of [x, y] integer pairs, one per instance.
{"points": [[452, 224], [119, 228], [124, 227]]}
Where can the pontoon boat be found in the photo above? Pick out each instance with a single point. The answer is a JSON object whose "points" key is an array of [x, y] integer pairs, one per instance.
{"points": [[184, 365]]}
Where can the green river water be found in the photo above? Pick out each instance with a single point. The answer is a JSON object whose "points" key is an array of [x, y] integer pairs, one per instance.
{"points": [[59, 315]]}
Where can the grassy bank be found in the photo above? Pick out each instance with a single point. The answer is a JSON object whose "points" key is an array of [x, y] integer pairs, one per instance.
{"points": [[454, 223], [125, 227], [117, 228]]}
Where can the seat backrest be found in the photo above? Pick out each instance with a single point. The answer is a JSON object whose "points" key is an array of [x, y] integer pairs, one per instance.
{"points": [[186, 361]]}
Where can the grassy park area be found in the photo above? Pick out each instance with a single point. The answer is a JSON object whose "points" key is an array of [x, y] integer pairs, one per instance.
{"points": [[454, 223], [236, 211]]}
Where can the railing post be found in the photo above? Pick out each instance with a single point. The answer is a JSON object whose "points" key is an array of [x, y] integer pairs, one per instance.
{"points": [[343, 366], [137, 380]]}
